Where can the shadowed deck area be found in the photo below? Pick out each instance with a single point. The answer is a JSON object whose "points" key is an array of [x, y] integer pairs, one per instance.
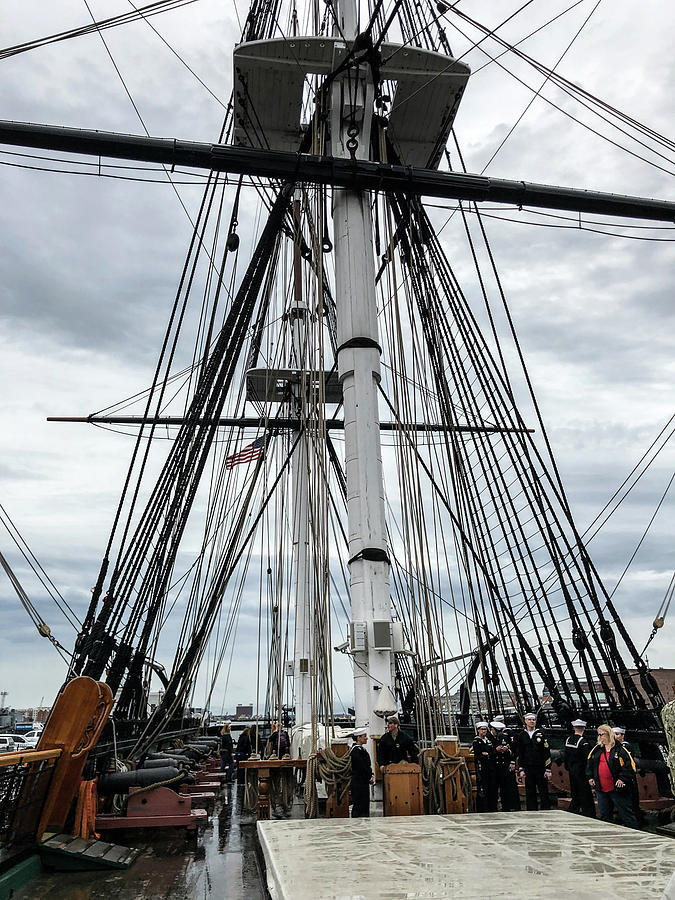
{"points": [[219, 861]]}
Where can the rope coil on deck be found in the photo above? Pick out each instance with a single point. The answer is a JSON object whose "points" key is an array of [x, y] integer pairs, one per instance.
{"points": [[437, 768], [335, 772]]}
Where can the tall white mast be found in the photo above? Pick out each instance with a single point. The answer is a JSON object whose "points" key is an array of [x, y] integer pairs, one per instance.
{"points": [[359, 373], [270, 82], [302, 656]]}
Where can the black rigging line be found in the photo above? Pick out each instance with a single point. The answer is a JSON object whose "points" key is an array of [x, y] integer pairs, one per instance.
{"points": [[151, 9], [576, 90], [569, 88], [177, 55], [541, 87], [35, 565], [157, 535], [644, 534], [444, 329]]}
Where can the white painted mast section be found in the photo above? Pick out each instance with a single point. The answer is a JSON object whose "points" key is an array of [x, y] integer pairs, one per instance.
{"points": [[302, 658], [359, 373]]}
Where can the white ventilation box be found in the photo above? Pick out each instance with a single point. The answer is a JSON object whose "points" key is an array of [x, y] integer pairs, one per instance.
{"points": [[357, 636]]}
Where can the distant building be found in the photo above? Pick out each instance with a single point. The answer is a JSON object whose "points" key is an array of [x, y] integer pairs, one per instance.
{"points": [[244, 712], [37, 714], [665, 679], [155, 698]]}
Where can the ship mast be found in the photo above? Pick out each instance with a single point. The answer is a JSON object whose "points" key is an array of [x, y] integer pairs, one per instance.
{"points": [[359, 372], [302, 657]]}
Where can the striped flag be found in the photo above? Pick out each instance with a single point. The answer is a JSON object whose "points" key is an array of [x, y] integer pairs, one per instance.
{"points": [[247, 454]]}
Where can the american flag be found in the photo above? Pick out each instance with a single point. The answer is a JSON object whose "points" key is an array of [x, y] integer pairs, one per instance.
{"points": [[247, 454]]}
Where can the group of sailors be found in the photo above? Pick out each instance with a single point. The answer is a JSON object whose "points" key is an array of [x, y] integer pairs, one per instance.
{"points": [[605, 766], [502, 755]]}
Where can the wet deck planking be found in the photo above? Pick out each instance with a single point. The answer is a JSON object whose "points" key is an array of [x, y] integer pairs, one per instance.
{"points": [[218, 861]]}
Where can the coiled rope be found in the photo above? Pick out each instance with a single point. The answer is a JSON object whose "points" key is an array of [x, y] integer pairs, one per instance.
{"points": [[437, 768], [311, 795], [335, 772]]}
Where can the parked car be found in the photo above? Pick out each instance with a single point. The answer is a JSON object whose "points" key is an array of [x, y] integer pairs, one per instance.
{"points": [[21, 742], [7, 744], [32, 737]]}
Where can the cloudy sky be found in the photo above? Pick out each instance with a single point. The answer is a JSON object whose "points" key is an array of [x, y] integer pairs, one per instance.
{"points": [[90, 266]]}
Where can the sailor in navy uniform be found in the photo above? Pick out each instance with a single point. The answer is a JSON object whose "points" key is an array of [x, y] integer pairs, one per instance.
{"points": [[362, 775], [483, 751], [577, 748], [505, 767], [395, 745], [534, 761], [620, 738]]}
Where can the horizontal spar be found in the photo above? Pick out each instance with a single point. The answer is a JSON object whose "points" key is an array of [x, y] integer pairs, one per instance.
{"points": [[353, 174], [242, 422]]}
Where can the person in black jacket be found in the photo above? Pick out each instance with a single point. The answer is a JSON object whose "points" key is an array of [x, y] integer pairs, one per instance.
{"points": [[620, 738], [246, 745], [279, 743], [505, 767], [611, 771], [534, 762], [227, 751], [577, 748], [483, 751], [395, 745], [362, 775]]}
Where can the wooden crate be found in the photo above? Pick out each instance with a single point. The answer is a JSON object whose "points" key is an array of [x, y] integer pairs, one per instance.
{"points": [[403, 790]]}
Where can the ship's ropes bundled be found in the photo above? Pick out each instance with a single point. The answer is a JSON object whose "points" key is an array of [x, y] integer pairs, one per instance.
{"points": [[311, 794], [437, 768], [85, 814], [335, 772]]}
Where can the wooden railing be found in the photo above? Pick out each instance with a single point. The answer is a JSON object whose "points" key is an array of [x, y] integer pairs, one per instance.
{"points": [[27, 756], [25, 778]]}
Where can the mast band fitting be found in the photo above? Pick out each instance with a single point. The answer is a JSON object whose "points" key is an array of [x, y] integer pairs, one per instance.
{"points": [[372, 554], [360, 343]]}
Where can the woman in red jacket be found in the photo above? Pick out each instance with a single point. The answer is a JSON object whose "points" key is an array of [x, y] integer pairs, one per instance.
{"points": [[611, 771]]}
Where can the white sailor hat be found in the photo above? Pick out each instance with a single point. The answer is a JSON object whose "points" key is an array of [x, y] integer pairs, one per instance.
{"points": [[579, 723], [499, 718], [497, 724], [482, 725], [617, 729], [530, 715], [359, 731]]}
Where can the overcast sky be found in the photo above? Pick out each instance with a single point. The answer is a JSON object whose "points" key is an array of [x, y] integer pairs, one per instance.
{"points": [[90, 267]]}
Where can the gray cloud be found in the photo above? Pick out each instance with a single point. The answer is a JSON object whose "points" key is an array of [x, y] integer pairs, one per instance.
{"points": [[89, 267]]}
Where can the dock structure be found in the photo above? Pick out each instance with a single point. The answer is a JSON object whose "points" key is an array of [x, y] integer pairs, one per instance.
{"points": [[529, 855]]}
